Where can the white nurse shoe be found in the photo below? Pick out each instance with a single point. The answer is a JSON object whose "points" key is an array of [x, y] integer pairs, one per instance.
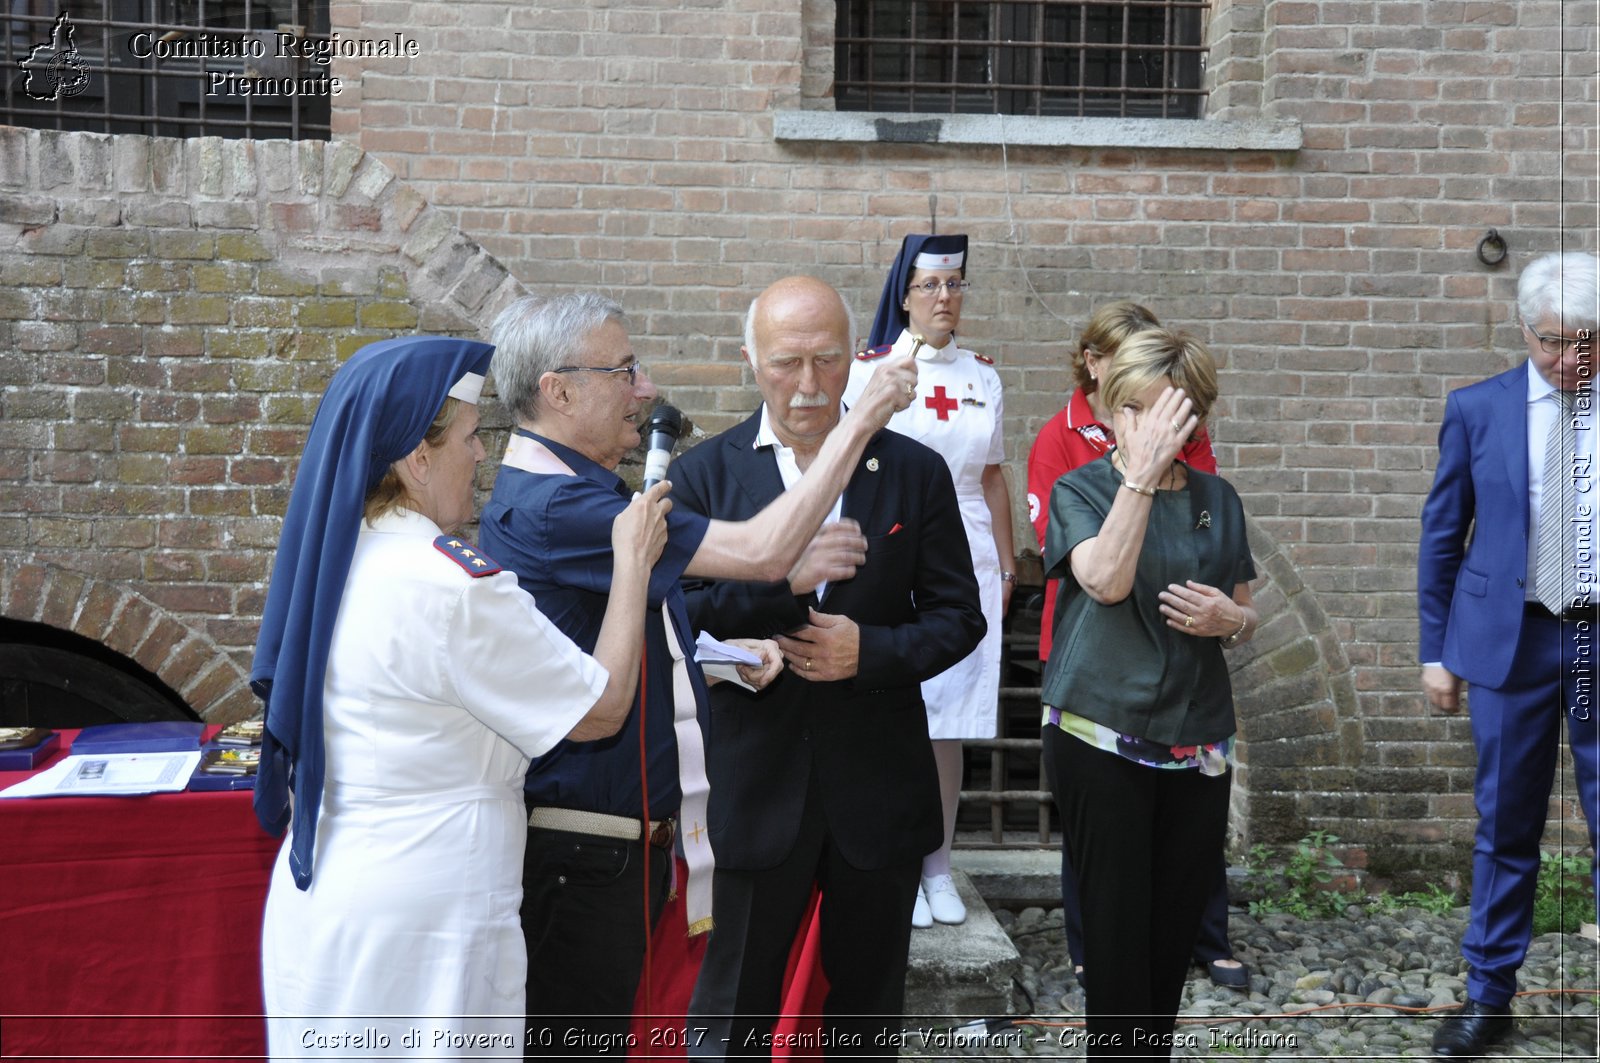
{"points": [[921, 914], [944, 903]]}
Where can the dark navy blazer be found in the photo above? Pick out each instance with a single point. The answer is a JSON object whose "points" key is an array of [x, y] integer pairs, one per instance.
{"points": [[866, 738]]}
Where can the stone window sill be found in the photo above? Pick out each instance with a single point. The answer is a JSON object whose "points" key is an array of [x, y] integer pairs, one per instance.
{"points": [[871, 127]]}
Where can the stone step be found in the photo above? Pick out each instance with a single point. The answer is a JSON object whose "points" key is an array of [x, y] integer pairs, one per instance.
{"points": [[1013, 878], [958, 973], [1031, 878]]}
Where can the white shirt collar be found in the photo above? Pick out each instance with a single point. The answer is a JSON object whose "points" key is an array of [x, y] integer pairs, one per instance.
{"points": [[1538, 386], [928, 352], [765, 436]]}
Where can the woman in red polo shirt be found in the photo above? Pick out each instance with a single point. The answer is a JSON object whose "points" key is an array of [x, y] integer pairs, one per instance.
{"points": [[1077, 435]]}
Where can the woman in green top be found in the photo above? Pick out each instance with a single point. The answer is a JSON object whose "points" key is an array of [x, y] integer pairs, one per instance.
{"points": [[1138, 734]]}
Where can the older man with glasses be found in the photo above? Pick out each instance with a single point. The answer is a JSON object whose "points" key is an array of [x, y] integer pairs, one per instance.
{"points": [[602, 815], [1506, 598]]}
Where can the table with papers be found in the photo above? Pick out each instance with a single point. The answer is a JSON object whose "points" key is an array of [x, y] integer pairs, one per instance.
{"points": [[131, 925]]}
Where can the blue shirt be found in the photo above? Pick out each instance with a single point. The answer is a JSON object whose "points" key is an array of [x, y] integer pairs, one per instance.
{"points": [[554, 532]]}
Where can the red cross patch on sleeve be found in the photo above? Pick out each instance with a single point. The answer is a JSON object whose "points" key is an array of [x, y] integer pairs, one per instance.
{"points": [[466, 555]]}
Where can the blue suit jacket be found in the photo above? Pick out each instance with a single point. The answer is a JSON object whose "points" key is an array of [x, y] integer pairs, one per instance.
{"points": [[1473, 559]]}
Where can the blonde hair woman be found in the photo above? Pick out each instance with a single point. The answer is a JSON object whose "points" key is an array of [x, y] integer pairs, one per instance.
{"points": [[1138, 728]]}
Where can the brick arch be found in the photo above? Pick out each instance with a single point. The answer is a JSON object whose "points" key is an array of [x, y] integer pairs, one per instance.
{"points": [[188, 661], [1294, 691], [176, 308]]}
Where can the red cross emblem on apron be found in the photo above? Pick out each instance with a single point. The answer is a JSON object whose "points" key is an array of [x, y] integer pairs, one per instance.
{"points": [[941, 403]]}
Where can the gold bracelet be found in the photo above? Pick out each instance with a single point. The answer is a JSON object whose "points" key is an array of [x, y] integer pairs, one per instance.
{"points": [[1148, 492], [1229, 641], [1008, 577]]}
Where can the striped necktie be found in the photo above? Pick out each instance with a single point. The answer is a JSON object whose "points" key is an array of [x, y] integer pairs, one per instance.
{"points": [[1554, 582]]}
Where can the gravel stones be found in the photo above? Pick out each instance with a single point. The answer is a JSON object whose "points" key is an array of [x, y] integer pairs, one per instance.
{"points": [[1366, 985]]}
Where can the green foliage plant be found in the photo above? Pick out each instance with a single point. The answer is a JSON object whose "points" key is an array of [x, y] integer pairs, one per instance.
{"points": [[1434, 899], [1301, 886], [1563, 898]]}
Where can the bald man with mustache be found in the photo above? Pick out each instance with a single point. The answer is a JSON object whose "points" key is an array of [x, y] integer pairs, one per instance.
{"points": [[826, 776]]}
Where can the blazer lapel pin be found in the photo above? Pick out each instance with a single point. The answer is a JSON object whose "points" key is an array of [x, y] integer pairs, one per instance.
{"points": [[1205, 519], [872, 464]]}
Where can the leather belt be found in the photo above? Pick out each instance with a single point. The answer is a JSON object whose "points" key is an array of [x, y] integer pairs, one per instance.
{"points": [[602, 825]]}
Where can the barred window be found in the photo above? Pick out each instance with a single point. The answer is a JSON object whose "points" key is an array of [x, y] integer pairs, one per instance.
{"points": [[173, 68], [1121, 58]]}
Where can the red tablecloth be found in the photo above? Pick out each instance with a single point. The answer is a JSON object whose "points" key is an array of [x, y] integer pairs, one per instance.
{"points": [[131, 926]]}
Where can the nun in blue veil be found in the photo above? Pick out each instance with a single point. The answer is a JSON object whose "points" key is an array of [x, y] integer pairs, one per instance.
{"points": [[957, 411], [407, 681]]}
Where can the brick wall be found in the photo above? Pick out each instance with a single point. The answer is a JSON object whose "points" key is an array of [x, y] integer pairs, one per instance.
{"points": [[170, 312], [176, 307], [628, 145]]}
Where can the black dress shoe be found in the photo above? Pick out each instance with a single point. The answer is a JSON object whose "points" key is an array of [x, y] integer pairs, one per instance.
{"points": [[1469, 1031], [1231, 977]]}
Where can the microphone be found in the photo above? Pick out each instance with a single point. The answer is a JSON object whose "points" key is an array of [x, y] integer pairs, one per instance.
{"points": [[662, 433]]}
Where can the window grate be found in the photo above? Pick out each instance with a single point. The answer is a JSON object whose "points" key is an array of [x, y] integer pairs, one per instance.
{"points": [[173, 68], [1112, 58], [1006, 801]]}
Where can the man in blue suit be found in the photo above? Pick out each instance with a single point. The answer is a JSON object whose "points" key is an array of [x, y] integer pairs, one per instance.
{"points": [[1507, 601]]}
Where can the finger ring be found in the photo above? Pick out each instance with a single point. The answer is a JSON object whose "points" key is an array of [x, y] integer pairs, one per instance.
{"points": [[808, 664], [911, 390], [1188, 621], [1177, 426]]}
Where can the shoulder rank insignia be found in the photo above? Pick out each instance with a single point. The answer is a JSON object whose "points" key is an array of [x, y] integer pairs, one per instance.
{"points": [[983, 358], [465, 555], [874, 353]]}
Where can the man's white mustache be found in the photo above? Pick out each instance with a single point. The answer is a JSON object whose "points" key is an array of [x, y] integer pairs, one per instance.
{"points": [[806, 402]]}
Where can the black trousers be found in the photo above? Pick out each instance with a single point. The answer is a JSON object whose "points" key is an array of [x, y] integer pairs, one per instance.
{"points": [[1212, 943], [583, 917], [866, 940], [1144, 841]]}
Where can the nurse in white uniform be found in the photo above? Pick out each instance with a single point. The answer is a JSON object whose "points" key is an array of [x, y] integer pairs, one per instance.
{"points": [[408, 681], [957, 412]]}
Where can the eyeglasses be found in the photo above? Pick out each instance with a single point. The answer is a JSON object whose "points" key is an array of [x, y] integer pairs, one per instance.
{"points": [[954, 287], [1555, 344], [633, 369]]}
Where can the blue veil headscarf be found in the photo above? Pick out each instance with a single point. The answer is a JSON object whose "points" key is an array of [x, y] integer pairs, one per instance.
{"points": [[891, 319], [377, 408]]}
